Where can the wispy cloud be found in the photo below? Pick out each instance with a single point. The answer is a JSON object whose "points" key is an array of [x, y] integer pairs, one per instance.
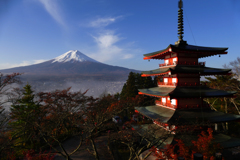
{"points": [[39, 61], [24, 63], [108, 44], [107, 48], [103, 22], [53, 9], [107, 39]]}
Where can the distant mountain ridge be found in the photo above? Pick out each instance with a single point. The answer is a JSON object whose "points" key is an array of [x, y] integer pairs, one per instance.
{"points": [[72, 63]]}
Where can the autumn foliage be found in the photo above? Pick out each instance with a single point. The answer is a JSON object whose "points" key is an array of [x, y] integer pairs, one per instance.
{"points": [[45, 120], [204, 145]]}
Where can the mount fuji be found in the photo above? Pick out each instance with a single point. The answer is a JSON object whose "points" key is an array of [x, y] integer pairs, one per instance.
{"points": [[72, 64], [73, 56], [76, 70]]}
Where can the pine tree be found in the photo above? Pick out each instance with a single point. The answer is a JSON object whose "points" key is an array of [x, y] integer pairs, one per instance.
{"points": [[129, 88], [24, 113], [148, 82], [134, 82]]}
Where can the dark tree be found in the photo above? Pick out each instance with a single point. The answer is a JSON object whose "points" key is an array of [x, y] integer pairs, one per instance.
{"points": [[130, 87], [134, 82], [23, 114]]}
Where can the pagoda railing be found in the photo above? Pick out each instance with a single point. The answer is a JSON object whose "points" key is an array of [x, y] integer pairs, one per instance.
{"points": [[168, 64], [165, 104], [193, 63], [178, 84], [167, 84], [189, 84], [191, 106], [194, 106], [182, 63]]}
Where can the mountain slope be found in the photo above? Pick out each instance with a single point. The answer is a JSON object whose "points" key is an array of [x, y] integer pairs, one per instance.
{"points": [[71, 63]]}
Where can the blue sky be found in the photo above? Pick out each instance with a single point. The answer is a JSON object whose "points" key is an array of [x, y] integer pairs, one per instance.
{"points": [[114, 32]]}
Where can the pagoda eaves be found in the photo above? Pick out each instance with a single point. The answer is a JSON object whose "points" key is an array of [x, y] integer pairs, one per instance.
{"points": [[186, 92], [185, 116], [187, 69], [200, 51]]}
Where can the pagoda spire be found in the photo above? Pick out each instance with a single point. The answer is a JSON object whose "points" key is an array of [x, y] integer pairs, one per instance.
{"points": [[180, 24]]}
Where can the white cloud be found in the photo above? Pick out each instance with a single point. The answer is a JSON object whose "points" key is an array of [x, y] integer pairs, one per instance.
{"points": [[103, 22], [107, 48], [106, 40], [39, 61], [53, 9], [24, 63], [127, 56], [108, 45]]}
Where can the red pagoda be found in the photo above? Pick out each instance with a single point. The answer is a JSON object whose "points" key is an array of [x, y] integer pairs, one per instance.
{"points": [[179, 92]]}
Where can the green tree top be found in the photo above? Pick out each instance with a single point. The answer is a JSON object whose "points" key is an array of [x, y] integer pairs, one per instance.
{"points": [[134, 82], [23, 114]]}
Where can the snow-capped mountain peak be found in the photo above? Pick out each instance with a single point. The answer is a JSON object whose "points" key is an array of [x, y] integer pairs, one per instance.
{"points": [[73, 56]]}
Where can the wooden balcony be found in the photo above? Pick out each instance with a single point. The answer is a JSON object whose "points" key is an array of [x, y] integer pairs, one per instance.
{"points": [[182, 63], [193, 106], [167, 84], [167, 64], [178, 84], [189, 84], [165, 104], [205, 105], [192, 63]]}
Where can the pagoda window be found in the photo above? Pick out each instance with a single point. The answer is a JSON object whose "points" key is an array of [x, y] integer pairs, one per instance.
{"points": [[174, 60], [165, 80], [163, 100], [174, 80], [166, 61], [173, 102]]}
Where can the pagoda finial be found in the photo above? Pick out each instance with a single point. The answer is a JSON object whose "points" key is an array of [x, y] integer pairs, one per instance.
{"points": [[180, 24]]}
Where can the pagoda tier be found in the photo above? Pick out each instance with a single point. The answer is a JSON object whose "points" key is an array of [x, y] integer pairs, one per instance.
{"points": [[180, 104], [186, 92], [186, 51], [186, 69], [224, 140], [181, 117]]}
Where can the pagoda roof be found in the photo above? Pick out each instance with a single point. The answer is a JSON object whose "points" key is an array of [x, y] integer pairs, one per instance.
{"points": [[185, 116], [224, 140], [152, 131], [200, 50], [186, 92], [158, 113], [190, 69]]}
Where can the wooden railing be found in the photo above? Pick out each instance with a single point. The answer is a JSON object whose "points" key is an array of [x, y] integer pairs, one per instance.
{"points": [[178, 84], [189, 84], [168, 64], [182, 106], [167, 84], [165, 104], [182, 63], [192, 106], [192, 63]]}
